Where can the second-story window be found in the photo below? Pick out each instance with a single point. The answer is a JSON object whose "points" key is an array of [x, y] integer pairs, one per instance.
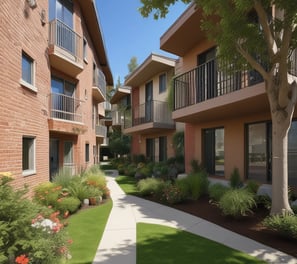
{"points": [[63, 102], [27, 79], [61, 10], [162, 83]]}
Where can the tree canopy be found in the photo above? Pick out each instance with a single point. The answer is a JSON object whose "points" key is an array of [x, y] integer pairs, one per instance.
{"points": [[262, 35]]}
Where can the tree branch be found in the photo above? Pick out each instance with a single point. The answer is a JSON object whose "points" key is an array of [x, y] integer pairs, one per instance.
{"points": [[264, 22], [252, 61]]}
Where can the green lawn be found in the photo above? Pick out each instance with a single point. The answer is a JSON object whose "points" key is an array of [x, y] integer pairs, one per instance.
{"points": [[85, 229], [128, 184], [165, 245]]}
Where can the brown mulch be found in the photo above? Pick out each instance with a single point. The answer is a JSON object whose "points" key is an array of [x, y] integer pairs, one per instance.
{"points": [[248, 226]]}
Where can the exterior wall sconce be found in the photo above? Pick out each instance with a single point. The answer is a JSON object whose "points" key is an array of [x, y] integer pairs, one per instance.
{"points": [[32, 3]]}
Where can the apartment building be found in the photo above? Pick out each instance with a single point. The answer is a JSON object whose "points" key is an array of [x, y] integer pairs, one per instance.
{"points": [[149, 119], [54, 75], [226, 116]]}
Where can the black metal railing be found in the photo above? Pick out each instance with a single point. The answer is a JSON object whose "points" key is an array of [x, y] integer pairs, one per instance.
{"points": [[152, 111], [209, 81]]}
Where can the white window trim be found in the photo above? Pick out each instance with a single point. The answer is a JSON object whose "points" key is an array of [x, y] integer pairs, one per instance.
{"points": [[85, 50], [30, 86], [31, 171]]}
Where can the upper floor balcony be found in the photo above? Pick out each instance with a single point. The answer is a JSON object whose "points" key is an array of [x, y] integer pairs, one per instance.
{"points": [[65, 114], [208, 92], [101, 133], [150, 117], [65, 48], [117, 118], [99, 86]]}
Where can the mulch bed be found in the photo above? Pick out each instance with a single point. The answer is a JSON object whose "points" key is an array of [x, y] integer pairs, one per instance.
{"points": [[248, 226]]}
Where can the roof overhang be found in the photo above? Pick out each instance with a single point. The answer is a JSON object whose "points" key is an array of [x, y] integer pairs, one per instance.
{"points": [[185, 33], [152, 66], [119, 94], [89, 12]]}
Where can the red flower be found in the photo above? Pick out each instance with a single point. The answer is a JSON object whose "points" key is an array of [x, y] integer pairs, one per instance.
{"points": [[22, 259]]}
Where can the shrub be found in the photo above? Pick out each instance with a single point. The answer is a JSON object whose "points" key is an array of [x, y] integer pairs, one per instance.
{"points": [[21, 238], [149, 186], [235, 181], [160, 170], [68, 204], [237, 202], [196, 166], [252, 186], [95, 180], [217, 190], [285, 224], [63, 178], [47, 193], [263, 201], [171, 193], [79, 190], [184, 188], [130, 170], [197, 185]]}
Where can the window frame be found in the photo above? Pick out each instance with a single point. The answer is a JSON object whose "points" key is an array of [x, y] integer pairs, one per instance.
{"points": [[162, 83], [210, 163], [30, 84], [31, 151], [87, 152]]}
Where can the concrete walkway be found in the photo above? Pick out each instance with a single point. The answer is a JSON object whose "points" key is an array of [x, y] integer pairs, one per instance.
{"points": [[118, 244]]}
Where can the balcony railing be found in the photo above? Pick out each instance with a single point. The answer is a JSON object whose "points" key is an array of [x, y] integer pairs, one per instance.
{"points": [[99, 80], [209, 81], [153, 111], [65, 107], [117, 117], [101, 131], [65, 38]]}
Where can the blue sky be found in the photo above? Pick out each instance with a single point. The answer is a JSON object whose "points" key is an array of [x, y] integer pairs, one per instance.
{"points": [[126, 33]]}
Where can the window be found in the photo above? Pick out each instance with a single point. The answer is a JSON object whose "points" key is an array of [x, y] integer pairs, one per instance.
{"points": [[162, 148], [259, 152], [292, 154], [62, 10], [150, 149], [87, 154], [63, 102], [214, 151], [162, 83], [28, 156], [259, 149], [27, 72], [68, 156]]}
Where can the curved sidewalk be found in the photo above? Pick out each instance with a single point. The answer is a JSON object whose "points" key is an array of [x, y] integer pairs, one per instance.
{"points": [[118, 244]]}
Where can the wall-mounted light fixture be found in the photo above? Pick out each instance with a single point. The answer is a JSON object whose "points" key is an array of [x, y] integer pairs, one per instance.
{"points": [[43, 17], [32, 3]]}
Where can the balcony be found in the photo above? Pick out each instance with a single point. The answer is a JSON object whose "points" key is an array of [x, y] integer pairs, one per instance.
{"points": [[117, 118], [101, 133], [209, 93], [99, 86], [65, 114], [65, 48], [150, 117]]}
